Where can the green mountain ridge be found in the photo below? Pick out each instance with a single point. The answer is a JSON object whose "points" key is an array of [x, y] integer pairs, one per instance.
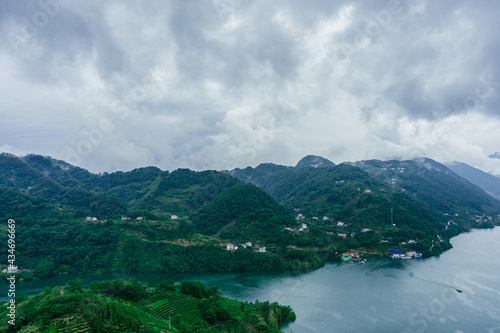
{"points": [[149, 220]]}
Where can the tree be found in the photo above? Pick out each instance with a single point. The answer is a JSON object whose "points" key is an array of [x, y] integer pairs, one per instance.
{"points": [[75, 285]]}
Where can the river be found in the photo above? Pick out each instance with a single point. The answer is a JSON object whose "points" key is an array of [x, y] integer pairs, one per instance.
{"points": [[379, 296]]}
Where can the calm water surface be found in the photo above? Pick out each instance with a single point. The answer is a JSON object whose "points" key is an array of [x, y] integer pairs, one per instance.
{"points": [[379, 296]]}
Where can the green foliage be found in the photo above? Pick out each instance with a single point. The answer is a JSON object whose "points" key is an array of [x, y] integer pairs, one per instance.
{"points": [[123, 306], [74, 286], [244, 212], [198, 289]]}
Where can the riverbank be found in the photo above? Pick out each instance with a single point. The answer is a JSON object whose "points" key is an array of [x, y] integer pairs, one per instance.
{"points": [[380, 295]]}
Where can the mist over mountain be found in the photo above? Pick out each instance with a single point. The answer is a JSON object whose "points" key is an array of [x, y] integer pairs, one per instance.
{"points": [[486, 181]]}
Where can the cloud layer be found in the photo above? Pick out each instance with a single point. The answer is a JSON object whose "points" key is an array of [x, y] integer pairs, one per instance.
{"points": [[111, 86]]}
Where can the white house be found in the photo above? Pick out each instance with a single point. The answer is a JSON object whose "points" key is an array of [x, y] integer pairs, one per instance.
{"points": [[140, 218], [231, 247], [245, 245], [174, 217], [11, 268]]}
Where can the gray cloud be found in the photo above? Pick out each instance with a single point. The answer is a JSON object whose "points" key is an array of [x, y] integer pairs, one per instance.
{"points": [[214, 85]]}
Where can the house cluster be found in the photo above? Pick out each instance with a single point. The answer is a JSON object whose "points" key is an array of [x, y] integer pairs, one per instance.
{"points": [[344, 235], [303, 227], [10, 269], [482, 218], [352, 256], [232, 247], [397, 254], [139, 218], [448, 224]]}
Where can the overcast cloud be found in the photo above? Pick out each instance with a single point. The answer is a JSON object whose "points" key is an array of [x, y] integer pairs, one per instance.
{"points": [[115, 85]]}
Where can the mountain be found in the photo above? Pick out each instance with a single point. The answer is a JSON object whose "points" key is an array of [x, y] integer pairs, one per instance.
{"points": [[144, 220], [315, 162], [149, 189], [418, 196], [149, 220], [321, 191], [486, 181], [434, 185], [342, 192]]}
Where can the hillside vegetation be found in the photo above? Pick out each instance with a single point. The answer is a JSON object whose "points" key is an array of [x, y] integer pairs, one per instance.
{"points": [[131, 306], [271, 217]]}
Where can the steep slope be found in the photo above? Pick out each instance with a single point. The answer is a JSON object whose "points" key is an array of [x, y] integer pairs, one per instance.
{"points": [[243, 212], [435, 185], [138, 192], [347, 193], [17, 174], [61, 172], [486, 181], [33, 175]]}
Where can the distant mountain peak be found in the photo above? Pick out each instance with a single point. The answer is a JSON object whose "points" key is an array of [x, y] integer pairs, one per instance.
{"points": [[495, 155], [315, 162]]}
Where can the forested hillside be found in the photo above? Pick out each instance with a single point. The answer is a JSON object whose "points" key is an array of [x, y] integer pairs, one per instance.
{"points": [[148, 220], [396, 201]]}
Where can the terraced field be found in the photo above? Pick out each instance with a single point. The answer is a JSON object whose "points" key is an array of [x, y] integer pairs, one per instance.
{"points": [[73, 324], [179, 304]]}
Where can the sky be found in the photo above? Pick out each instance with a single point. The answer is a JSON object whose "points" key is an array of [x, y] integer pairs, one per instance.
{"points": [[218, 84]]}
